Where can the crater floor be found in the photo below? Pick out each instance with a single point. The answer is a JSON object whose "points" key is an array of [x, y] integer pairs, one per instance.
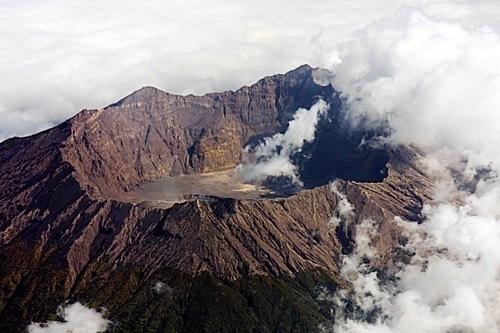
{"points": [[167, 191]]}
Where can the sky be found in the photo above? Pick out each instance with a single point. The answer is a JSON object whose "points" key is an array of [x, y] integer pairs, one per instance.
{"points": [[58, 57]]}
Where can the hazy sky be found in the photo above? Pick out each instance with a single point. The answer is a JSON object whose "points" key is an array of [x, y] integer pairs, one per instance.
{"points": [[58, 57]]}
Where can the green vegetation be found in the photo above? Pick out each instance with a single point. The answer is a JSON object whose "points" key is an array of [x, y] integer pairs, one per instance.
{"points": [[32, 289], [206, 304], [26, 283]]}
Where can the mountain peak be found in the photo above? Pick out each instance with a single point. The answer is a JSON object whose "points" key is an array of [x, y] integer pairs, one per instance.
{"points": [[304, 68], [142, 94]]}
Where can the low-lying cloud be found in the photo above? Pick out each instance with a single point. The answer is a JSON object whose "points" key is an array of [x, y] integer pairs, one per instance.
{"points": [[451, 285], [272, 157], [58, 57], [76, 318], [433, 81]]}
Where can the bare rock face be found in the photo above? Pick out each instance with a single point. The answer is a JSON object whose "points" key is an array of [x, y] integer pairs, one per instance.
{"points": [[66, 231], [150, 133]]}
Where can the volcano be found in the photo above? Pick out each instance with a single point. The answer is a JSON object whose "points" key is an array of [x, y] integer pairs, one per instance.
{"points": [[105, 206]]}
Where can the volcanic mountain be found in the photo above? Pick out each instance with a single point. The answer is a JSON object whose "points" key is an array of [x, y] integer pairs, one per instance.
{"points": [[77, 222]]}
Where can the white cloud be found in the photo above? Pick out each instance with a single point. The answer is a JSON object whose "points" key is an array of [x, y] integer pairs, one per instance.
{"points": [[434, 81], [77, 318], [452, 282], [345, 207], [58, 57], [272, 156], [346, 211], [161, 288]]}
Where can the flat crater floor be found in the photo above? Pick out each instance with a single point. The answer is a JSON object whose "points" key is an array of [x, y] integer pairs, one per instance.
{"points": [[167, 191]]}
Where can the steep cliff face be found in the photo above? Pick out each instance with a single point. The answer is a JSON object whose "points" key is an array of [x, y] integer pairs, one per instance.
{"points": [[67, 233], [151, 133]]}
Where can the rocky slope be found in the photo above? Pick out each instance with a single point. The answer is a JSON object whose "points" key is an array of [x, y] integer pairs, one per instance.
{"points": [[67, 232], [151, 133]]}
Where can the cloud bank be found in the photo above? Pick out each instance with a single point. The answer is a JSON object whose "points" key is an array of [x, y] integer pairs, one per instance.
{"points": [[272, 157], [58, 57], [434, 82], [76, 317]]}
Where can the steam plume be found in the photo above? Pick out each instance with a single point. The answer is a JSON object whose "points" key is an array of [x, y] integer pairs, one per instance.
{"points": [[272, 156]]}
